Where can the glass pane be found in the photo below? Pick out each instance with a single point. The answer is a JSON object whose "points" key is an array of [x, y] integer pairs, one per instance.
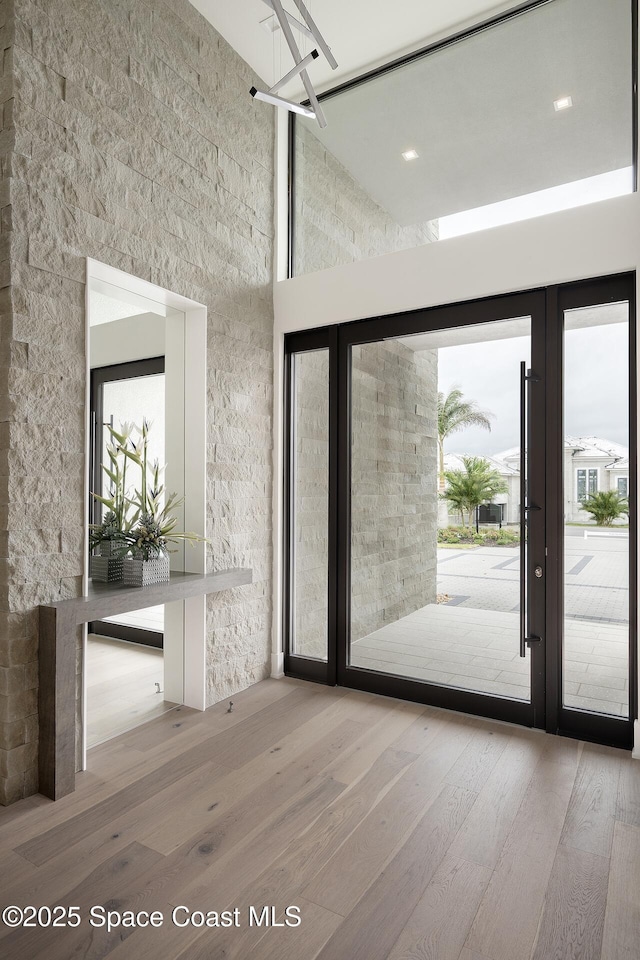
{"points": [[435, 501], [128, 401], [582, 484], [508, 124], [310, 504], [596, 555]]}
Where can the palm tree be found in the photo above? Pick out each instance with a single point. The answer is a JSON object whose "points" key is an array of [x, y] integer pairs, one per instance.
{"points": [[477, 483], [606, 506], [455, 413]]}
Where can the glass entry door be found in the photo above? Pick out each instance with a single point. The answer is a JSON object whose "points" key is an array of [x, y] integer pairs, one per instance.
{"points": [[445, 513], [436, 554], [461, 507]]}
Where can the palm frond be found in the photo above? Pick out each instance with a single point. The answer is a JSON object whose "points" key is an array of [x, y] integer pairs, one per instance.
{"points": [[455, 413]]}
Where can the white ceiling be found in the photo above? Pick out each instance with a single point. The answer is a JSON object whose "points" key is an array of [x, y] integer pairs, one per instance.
{"points": [[481, 116], [577, 319], [361, 33], [108, 303], [104, 309], [460, 336]]}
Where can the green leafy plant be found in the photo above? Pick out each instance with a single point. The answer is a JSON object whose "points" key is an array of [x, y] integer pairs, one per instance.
{"points": [[606, 506], [454, 414], [115, 521], [478, 483], [139, 522], [152, 527], [501, 538], [504, 537]]}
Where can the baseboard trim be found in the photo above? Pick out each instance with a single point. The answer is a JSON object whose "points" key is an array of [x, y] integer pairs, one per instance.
{"points": [[277, 665]]}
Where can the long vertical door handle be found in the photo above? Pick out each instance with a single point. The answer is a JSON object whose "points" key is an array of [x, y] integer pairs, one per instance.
{"points": [[526, 377], [93, 517], [523, 509]]}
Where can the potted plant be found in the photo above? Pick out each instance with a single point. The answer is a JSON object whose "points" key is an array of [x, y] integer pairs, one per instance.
{"points": [[152, 527]]}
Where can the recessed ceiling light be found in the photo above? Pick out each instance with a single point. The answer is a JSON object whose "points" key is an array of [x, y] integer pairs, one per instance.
{"points": [[410, 155], [563, 103]]}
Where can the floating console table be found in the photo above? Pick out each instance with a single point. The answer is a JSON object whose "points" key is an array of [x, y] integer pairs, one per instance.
{"points": [[58, 622]]}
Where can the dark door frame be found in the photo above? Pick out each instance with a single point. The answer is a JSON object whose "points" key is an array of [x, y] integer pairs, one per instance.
{"points": [[99, 376], [561, 719], [545, 536], [450, 316], [305, 668]]}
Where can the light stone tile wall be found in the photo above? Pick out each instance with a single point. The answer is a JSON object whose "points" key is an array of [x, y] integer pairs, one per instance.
{"points": [[336, 221], [394, 506], [393, 496], [311, 503], [128, 136]]}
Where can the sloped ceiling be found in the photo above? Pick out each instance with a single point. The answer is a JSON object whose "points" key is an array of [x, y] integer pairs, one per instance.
{"points": [[361, 33], [480, 114]]}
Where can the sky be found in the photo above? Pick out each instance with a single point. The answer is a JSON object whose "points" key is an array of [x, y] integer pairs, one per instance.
{"points": [[596, 387]]}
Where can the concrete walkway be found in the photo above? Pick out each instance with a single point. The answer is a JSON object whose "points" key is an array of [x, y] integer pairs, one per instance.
{"points": [[472, 642]]}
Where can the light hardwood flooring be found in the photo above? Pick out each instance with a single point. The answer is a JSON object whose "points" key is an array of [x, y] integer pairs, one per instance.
{"points": [[121, 687], [401, 832]]}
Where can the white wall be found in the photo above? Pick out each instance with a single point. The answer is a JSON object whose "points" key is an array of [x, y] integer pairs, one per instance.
{"points": [[602, 238]]}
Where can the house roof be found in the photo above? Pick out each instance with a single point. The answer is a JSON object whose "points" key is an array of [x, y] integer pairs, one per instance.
{"points": [[585, 448], [594, 447], [513, 453], [453, 461]]}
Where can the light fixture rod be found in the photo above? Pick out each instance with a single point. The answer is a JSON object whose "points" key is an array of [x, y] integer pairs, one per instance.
{"points": [[292, 20], [298, 68], [316, 34], [304, 76], [281, 102]]}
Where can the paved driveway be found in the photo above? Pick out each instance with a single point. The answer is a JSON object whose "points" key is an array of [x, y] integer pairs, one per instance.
{"points": [[596, 577]]}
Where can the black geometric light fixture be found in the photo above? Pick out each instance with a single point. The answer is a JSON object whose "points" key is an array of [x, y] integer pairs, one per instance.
{"points": [[309, 29]]}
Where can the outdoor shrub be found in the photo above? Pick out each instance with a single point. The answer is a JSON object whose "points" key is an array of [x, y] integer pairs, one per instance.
{"points": [[467, 535], [605, 507]]}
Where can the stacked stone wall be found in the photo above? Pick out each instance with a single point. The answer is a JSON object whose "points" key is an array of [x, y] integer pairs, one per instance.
{"points": [[311, 502], [393, 493], [394, 506], [128, 136], [336, 221]]}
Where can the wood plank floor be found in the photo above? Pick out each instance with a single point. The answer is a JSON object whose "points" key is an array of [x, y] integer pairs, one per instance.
{"points": [[401, 832]]}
